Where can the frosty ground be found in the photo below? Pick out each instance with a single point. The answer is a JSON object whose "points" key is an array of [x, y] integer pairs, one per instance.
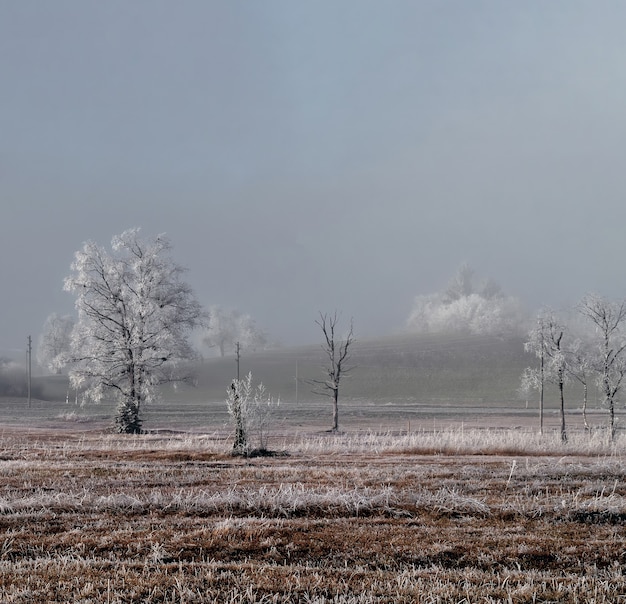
{"points": [[457, 515]]}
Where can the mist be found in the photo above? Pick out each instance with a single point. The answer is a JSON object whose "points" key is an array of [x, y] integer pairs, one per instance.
{"points": [[313, 157]]}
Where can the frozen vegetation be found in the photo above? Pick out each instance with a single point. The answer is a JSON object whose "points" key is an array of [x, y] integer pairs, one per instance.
{"points": [[455, 516]]}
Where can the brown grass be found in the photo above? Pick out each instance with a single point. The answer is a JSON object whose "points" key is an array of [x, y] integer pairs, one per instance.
{"points": [[101, 518]]}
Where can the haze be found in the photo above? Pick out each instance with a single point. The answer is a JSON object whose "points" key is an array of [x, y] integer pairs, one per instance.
{"points": [[307, 156]]}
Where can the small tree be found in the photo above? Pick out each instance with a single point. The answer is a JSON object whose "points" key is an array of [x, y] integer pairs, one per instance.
{"points": [[546, 342], [250, 409], [337, 353], [532, 379], [609, 362], [557, 365], [53, 347], [135, 314]]}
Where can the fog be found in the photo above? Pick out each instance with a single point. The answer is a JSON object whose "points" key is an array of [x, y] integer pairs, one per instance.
{"points": [[315, 156]]}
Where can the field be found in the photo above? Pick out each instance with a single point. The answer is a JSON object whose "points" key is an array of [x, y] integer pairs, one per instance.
{"points": [[428, 494], [456, 516]]}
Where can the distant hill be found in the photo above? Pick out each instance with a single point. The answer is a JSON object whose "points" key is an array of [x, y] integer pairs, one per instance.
{"points": [[420, 368]]}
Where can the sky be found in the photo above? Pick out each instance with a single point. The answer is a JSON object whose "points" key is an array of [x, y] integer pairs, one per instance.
{"points": [[315, 156]]}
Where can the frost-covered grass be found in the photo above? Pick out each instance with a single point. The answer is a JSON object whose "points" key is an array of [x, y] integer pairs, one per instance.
{"points": [[445, 441], [351, 518], [459, 440]]}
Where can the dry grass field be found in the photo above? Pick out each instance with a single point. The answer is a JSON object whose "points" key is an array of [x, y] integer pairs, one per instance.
{"points": [[457, 516], [440, 490]]}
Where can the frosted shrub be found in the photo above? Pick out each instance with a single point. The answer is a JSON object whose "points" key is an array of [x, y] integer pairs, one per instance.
{"points": [[251, 410]]}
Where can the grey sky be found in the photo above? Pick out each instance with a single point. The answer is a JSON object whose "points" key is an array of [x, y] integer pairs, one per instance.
{"points": [[307, 156]]}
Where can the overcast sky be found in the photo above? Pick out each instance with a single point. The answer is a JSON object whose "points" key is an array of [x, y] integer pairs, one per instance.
{"points": [[307, 156]]}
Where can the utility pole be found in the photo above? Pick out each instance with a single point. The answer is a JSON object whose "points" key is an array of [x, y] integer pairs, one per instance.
{"points": [[29, 354], [237, 352], [542, 370]]}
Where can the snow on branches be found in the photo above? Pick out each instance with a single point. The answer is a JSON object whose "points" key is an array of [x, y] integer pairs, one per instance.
{"points": [[135, 314]]}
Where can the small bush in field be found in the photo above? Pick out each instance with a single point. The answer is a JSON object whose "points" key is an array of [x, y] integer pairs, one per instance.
{"points": [[251, 410]]}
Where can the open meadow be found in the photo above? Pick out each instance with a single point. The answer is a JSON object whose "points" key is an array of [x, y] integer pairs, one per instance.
{"points": [[428, 494]]}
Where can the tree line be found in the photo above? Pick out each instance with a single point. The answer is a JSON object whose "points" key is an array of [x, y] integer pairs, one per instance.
{"points": [[132, 334], [136, 314], [592, 352], [468, 305]]}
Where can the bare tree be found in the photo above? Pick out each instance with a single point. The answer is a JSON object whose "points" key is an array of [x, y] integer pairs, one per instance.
{"points": [[610, 360], [337, 353]]}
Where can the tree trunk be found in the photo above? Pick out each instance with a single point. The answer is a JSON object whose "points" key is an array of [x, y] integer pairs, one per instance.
{"points": [[585, 407], [336, 410], [541, 399], [563, 432], [240, 445]]}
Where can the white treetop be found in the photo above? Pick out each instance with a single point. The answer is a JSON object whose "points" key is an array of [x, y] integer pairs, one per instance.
{"points": [[135, 314], [467, 306]]}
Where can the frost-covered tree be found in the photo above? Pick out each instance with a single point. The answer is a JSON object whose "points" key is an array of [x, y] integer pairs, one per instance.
{"points": [[467, 307], [250, 409], [558, 364], [135, 314], [532, 379], [609, 360], [226, 327], [546, 342], [53, 347], [337, 354]]}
